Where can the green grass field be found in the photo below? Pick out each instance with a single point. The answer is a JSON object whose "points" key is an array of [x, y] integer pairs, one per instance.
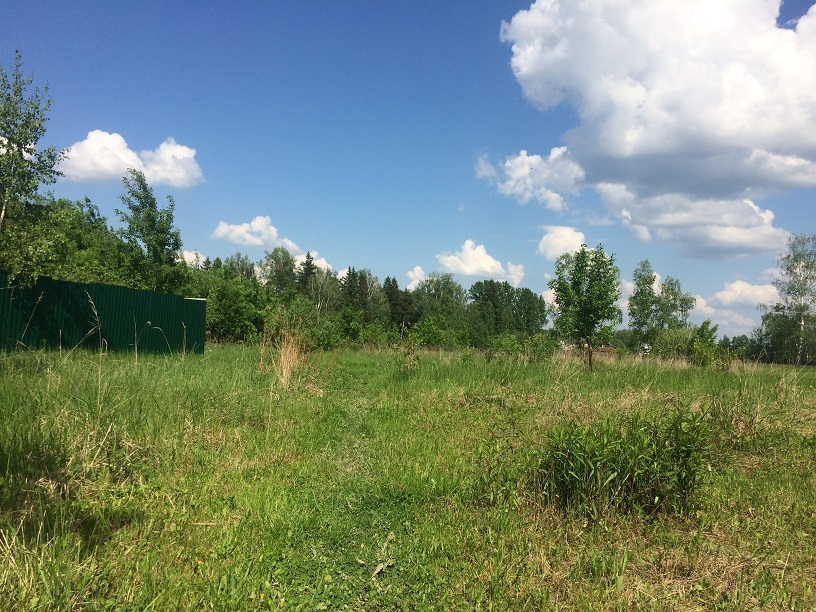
{"points": [[389, 480]]}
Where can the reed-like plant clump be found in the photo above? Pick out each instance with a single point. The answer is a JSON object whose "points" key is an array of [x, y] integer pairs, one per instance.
{"points": [[643, 464]]}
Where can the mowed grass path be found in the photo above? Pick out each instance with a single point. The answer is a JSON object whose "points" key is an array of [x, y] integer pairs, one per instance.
{"points": [[384, 481]]}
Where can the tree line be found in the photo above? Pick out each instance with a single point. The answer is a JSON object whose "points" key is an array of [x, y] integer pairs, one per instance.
{"points": [[41, 235]]}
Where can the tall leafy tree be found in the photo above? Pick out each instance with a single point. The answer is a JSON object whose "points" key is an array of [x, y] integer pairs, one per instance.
{"points": [[654, 311], [643, 305], [587, 287], [361, 292], [530, 311], [325, 292], [401, 309], [278, 272], [790, 325], [441, 305], [440, 294], [493, 303], [674, 306], [240, 265], [23, 114], [154, 244]]}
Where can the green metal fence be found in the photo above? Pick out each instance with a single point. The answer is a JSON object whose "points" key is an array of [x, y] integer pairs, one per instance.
{"points": [[61, 314]]}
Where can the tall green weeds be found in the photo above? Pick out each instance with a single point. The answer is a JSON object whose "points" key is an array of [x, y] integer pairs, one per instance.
{"points": [[639, 464]]}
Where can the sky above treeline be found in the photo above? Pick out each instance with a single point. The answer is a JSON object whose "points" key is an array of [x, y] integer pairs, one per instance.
{"points": [[482, 139]]}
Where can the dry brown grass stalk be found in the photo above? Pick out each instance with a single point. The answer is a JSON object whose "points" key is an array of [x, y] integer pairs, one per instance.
{"points": [[291, 350]]}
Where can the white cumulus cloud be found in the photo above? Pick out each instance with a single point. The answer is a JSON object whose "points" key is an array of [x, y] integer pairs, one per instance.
{"points": [[549, 296], [193, 258], [559, 239], [103, 156], [415, 277], [474, 260], [259, 232], [528, 177], [320, 262], [700, 227], [730, 321], [740, 293], [688, 108]]}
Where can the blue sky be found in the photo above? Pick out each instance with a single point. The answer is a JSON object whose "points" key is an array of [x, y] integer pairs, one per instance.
{"points": [[481, 139]]}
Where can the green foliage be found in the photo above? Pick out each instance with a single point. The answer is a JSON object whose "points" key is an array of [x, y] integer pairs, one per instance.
{"points": [[63, 240], [672, 343], [435, 331], [153, 244], [652, 312], [643, 306], [780, 339], [360, 292], [504, 345], [401, 309], [673, 306], [278, 272], [496, 308], [233, 303], [241, 266], [375, 335], [640, 464], [441, 305], [704, 349], [23, 115], [587, 287], [788, 332], [695, 344]]}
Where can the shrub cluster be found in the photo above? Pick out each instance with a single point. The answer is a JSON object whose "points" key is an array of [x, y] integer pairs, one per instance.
{"points": [[639, 464]]}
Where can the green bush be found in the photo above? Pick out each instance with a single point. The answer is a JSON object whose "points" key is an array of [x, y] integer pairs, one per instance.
{"points": [[672, 343], [504, 345], [540, 347], [641, 464]]}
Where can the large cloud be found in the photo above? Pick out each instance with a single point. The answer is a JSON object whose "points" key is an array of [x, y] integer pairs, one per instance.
{"points": [[474, 260], [680, 105], [106, 157], [559, 239], [702, 227], [259, 232], [740, 293]]}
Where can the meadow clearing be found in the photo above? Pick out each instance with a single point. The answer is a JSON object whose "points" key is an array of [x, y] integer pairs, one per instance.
{"points": [[403, 480]]}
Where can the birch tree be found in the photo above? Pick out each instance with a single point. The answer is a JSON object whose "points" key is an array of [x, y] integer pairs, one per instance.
{"points": [[23, 114]]}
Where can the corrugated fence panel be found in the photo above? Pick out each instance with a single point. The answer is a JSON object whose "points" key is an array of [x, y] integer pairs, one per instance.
{"points": [[11, 325], [53, 314], [194, 315]]}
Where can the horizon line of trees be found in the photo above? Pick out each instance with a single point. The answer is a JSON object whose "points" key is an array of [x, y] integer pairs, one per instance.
{"points": [[41, 235]]}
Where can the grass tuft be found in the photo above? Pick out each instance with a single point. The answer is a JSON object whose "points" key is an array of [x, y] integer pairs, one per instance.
{"points": [[638, 464], [291, 350]]}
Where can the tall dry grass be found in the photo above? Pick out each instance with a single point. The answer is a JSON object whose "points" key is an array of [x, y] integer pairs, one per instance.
{"points": [[283, 334]]}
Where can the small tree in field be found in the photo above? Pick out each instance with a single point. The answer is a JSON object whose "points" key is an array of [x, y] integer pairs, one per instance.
{"points": [[587, 288]]}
